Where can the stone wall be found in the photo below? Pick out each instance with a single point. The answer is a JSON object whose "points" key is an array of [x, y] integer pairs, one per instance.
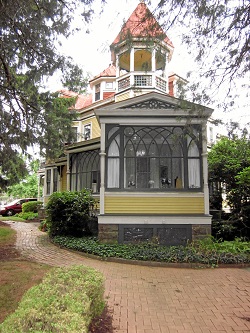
{"points": [[173, 234], [108, 233], [200, 231]]}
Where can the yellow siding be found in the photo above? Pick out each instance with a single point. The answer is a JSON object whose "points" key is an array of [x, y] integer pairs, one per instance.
{"points": [[64, 178], [96, 133], [122, 97], [95, 128], [154, 205]]}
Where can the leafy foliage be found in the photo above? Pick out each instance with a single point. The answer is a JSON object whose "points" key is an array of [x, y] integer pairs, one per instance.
{"points": [[58, 125], [27, 216], [208, 252], [66, 301], [229, 163], [31, 206], [224, 230], [28, 187], [68, 213], [30, 39], [217, 35], [74, 80]]}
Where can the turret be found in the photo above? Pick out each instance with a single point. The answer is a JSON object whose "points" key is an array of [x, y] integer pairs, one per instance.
{"points": [[141, 53]]}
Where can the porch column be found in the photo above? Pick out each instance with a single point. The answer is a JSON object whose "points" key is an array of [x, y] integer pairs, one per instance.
{"points": [[102, 166], [68, 173], [165, 72], [153, 60], [117, 65], [132, 60], [132, 69], [205, 168]]}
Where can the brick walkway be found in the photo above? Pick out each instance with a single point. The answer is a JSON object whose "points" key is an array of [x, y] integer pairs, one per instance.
{"points": [[157, 299]]}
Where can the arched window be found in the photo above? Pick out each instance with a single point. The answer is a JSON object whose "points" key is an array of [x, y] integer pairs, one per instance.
{"points": [[162, 158], [85, 171]]}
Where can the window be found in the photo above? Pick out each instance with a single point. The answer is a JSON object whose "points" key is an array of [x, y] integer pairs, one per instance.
{"points": [[109, 85], [87, 132], [162, 158], [75, 134], [85, 171], [97, 92], [48, 181], [211, 135], [55, 179]]}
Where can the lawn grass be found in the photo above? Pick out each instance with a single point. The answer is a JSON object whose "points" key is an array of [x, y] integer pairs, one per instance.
{"points": [[7, 236], [12, 218], [16, 278], [17, 275]]}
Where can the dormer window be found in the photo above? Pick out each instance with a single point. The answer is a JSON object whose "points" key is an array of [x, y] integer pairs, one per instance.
{"points": [[97, 92], [74, 134], [109, 85]]}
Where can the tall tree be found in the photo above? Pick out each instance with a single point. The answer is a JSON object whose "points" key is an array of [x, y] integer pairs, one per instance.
{"points": [[30, 36], [229, 165], [217, 34], [28, 187], [59, 112]]}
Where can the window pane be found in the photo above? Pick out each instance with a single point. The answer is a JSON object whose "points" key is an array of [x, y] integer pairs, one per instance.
{"points": [[177, 173], [153, 158], [55, 178], [142, 172], [48, 181], [194, 173], [129, 172], [82, 168], [87, 132], [113, 172], [114, 147]]}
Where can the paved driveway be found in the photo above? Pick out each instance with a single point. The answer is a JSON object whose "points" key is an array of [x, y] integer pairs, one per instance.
{"points": [[157, 299]]}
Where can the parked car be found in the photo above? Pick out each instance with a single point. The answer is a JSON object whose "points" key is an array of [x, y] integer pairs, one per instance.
{"points": [[14, 207]]}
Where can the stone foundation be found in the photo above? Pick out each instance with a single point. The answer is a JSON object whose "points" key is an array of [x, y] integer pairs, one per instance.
{"points": [[166, 235], [200, 231], [108, 233]]}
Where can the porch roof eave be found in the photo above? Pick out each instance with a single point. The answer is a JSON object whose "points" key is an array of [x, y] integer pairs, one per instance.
{"points": [[83, 146]]}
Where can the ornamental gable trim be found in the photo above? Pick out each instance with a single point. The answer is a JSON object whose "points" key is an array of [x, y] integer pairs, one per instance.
{"points": [[151, 104]]}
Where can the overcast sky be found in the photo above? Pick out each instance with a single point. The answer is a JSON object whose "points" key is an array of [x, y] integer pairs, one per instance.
{"points": [[90, 47]]}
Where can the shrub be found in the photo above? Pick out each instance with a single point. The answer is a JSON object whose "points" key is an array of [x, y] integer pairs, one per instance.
{"points": [[68, 213], [224, 230], [66, 301], [31, 206], [28, 215], [43, 226]]}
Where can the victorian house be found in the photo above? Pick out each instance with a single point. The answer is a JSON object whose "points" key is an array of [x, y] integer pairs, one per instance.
{"points": [[142, 151]]}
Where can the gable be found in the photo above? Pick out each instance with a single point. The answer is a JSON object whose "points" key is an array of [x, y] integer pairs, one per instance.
{"points": [[152, 103]]}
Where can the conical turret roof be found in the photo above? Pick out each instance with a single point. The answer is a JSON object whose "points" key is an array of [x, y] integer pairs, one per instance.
{"points": [[141, 23]]}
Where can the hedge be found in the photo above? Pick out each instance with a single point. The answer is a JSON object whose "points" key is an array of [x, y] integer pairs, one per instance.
{"points": [[65, 302]]}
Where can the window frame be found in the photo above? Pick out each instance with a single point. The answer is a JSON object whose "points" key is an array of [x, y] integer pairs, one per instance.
{"points": [[48, 181], [83, 174], [84, 131], [183, 160]]}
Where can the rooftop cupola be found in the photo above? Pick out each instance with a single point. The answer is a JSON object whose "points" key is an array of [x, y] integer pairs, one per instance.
{"points": [[141, 53]]}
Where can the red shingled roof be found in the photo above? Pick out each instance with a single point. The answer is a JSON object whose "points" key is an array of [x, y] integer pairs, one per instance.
{"points": [[108, 72], [83, 101], [142, 23]]}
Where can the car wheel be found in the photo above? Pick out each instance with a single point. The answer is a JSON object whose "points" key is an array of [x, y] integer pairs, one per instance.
{"points": [[10, 212]]}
